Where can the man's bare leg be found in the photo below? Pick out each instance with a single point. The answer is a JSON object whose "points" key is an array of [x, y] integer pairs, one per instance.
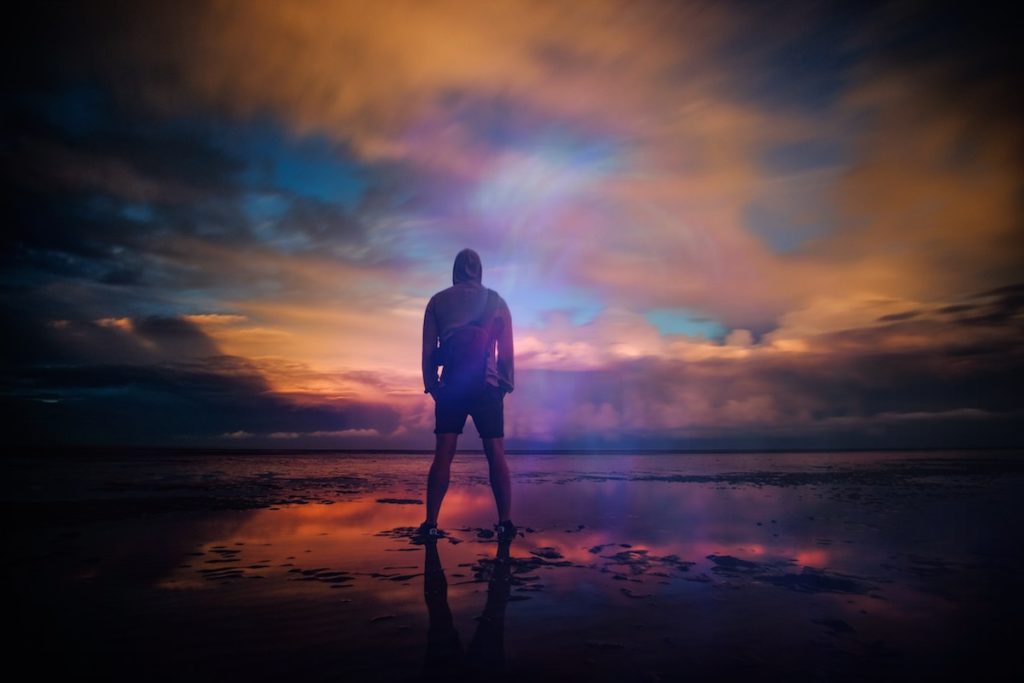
{"points": [[501, 483], [440, 473]]}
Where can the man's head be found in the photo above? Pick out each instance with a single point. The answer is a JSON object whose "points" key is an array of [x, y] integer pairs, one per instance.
{"points": [[467, 267]]}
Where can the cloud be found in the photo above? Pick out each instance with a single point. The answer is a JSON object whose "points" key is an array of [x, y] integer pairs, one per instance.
{"points": [[919, 380], [285, 185], [371, 72], [159, 380], [671, 158]]}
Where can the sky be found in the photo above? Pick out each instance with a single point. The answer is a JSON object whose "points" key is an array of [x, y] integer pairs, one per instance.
{"points": [[717, 225]]}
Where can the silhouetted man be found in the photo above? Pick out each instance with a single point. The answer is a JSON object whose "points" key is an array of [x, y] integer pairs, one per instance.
{"points": [[467, 328]]}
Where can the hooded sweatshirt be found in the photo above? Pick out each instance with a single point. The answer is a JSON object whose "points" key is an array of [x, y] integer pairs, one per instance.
{"points": [[461, 304]]}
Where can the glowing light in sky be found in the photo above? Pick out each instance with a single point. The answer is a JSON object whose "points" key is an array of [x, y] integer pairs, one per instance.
{"points": [[523, 189]]}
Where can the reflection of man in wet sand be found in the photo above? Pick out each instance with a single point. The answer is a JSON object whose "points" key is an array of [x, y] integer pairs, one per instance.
{"points": [[467, 329], [486, 655]]}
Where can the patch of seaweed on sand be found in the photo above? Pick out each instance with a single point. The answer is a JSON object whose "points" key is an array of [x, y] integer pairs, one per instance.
{"points": [[807, 580], [638, 562], [520, 573], [409, 533], [335, 578]]}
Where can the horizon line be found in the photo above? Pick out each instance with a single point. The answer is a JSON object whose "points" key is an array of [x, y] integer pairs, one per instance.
{"points": [[510, 451]]}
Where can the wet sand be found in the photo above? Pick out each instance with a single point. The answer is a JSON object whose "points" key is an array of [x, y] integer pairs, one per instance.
{"points": [[827, 566]]}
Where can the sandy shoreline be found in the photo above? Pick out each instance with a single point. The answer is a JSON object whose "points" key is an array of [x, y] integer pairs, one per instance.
{"points": [[630, 568]]}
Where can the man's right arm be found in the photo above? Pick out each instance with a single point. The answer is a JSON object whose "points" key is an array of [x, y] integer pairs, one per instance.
{"points": [[429, 345]]}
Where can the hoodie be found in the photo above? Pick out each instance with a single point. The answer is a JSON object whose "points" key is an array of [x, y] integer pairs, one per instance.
{"points": [[459, 305]]}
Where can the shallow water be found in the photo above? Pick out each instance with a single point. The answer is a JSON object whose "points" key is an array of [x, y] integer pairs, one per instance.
{"points": [[630, 567]]}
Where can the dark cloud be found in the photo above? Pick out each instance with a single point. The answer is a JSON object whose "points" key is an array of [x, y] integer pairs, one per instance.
{"points": [[970, 39], [98, 196], [167, 332], [956, 308], [895, 317], [154, 381], [169, 404], [963, 57], [76, 134], [854, 388], [998, 307], [320, 224], [111, 203]]}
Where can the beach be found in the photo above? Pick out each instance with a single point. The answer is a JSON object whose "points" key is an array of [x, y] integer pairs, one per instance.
{"points": [[163, 565]]}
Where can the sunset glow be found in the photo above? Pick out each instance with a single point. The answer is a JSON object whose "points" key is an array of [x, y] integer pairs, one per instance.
{"points": [[229, 217]]}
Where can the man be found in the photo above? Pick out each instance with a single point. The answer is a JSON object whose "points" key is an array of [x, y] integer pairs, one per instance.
{"points": [[449, 313]]}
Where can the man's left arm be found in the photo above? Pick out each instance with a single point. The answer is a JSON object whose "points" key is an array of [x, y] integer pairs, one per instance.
{"points": [[506, 353]]}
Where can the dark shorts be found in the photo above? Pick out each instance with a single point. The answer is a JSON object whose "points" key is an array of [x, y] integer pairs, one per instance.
{"points": [[486, 408]]}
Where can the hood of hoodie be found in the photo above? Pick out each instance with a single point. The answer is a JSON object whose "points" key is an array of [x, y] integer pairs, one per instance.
{"points": [[467, 267]]}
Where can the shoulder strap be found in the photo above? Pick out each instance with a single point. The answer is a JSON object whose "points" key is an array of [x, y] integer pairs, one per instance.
{"points": [[484, 320]]}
